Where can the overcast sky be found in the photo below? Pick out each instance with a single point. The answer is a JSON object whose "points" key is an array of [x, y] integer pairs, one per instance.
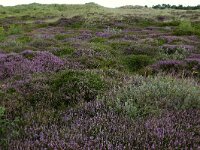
{"points": [[107, 3]]}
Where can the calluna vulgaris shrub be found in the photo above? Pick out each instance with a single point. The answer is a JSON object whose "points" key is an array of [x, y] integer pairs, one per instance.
{"points": [[189, 66], [94, 126], [28, 62], [151, 95], [169, 66], [62, 88], [76, 86], [136, 62], [8, 128]]}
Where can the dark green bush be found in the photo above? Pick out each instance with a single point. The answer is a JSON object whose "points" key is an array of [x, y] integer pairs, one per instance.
{"points": [[63, 51], [2, 34], [137, 62], [142, 49], [98, 40], [7, 129], [61, 36], [70, 87], [63, 88]]}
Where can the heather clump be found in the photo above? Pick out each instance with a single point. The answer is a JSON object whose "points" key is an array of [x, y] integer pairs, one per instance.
{"points": [[170, 66], [93, 126], [28, 62], [24, 39], [61, 36], [89, 77], [187, 67], [77, 86], [61, 89], [175, 52], [64, 50], [137, 62], [141, 49], [39, 43], [98, 40], [2, 34], [8, 128]]}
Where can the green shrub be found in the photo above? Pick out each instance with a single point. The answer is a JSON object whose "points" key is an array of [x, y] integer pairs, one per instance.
{"points": [[120, 45], [98, 40], [177, 54], [61, 36], [2, 34], [186, 28], [24, 39], [43, 44], [142, 49], [99, 47], [159, 42], [63, 51], [63, 88], [7, 129], [11, 45], [70, 87], [145, 96], [136, 62], [15, 29]]}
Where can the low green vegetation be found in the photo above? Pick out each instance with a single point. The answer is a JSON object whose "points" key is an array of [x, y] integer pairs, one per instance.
{"points": [[186, 28], [64, 50], [91, 77], [65, 88], [8, 128], [2, 34], [145, 96], [15, 29], [137, 62]]}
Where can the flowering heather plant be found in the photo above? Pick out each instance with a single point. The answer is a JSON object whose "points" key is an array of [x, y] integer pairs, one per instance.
{"points": [[28, 62], [95, 126], [8, 128], [63, 88], [193, 64], [171, 66], [85, 35], [103, 34], [188, 66], [197, 56], [137, 62], [77, 87], [170, 49]]}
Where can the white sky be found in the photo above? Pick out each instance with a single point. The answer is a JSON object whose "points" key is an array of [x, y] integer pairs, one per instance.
{"points": [[106, 3]]}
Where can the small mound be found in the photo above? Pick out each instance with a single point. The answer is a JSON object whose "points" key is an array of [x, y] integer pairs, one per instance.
{"points": [[74, 21], [28, 62]]}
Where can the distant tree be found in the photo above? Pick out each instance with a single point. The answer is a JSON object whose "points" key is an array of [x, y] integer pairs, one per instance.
{"points": [[164, 6]]}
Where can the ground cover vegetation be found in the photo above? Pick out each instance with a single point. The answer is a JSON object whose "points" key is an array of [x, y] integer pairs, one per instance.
{"points": [[90, 77]]}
